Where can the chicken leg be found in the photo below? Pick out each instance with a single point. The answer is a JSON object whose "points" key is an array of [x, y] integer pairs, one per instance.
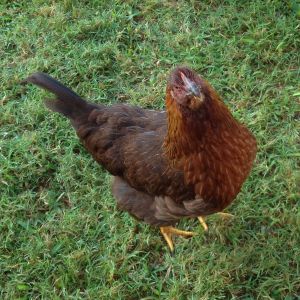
{"points": [[222, 214], [203, 223], [168, 231]]}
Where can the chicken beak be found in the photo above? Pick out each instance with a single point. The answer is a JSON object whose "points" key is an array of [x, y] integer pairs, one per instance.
{"points": [[191, 86]]}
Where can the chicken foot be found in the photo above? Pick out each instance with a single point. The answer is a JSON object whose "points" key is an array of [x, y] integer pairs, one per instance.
{"points": [[168, 231], [222, 214]]}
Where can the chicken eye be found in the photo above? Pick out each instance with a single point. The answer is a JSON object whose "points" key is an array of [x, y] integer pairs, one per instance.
{"points": [[188, 101]]}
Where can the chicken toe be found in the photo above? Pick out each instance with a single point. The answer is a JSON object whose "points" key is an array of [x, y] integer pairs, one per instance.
{"points": [[203, 223], [168, 231], [225, 215]]}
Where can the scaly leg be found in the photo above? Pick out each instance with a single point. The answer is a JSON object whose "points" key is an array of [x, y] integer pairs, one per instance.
{"points": [[168, 231], [222, 214], [203, 223]]}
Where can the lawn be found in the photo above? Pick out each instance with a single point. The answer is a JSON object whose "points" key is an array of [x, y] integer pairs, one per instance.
{"points": [[61, 235]]}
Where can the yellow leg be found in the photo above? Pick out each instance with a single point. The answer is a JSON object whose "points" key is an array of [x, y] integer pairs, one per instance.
{"points": [[203, 223], [168, 231], [222, 214]]}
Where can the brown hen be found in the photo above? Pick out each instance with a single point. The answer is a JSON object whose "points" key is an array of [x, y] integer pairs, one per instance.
{"points": [[190, 161]]}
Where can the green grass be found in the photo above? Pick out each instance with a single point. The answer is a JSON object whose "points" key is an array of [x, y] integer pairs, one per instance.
{"points": [[61, 236]]}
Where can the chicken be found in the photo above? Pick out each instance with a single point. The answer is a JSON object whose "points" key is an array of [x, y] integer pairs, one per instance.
{"points": [[188, 161]]}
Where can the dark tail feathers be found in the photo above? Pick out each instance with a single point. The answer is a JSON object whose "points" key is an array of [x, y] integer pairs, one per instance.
{"points": [[67, 102]]}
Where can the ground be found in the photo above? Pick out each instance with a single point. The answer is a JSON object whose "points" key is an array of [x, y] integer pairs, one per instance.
{"points": [[61, 234]]}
